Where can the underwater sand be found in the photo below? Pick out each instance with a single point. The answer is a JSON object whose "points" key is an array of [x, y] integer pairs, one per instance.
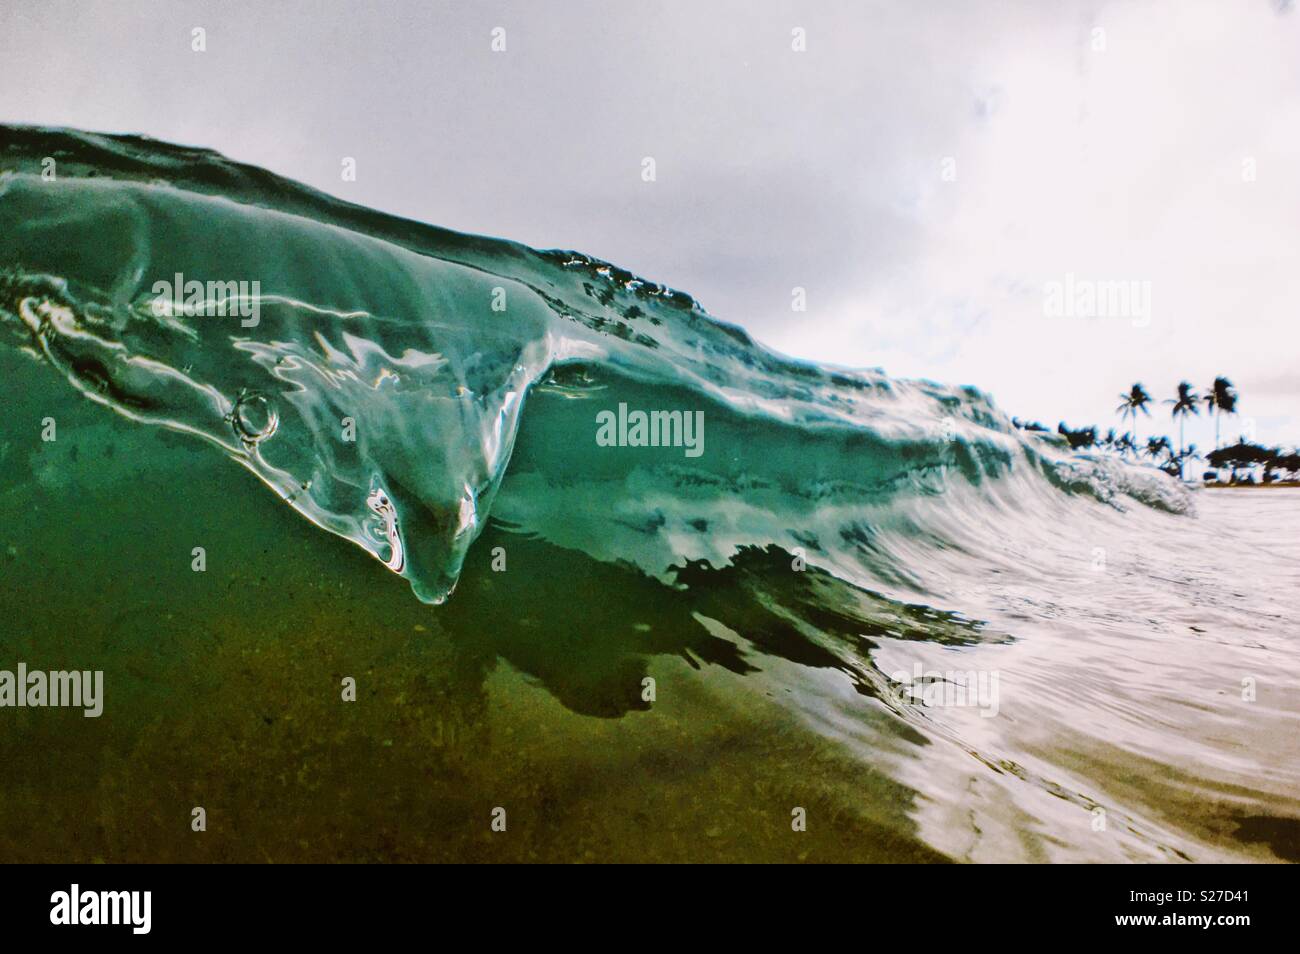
{"points": [[223, 690]]}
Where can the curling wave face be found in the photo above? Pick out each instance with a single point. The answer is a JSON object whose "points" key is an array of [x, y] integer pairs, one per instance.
{"points": [[379, 374], [994, 649]]}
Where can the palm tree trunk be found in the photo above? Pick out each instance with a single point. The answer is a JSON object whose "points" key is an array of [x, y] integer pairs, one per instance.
{"points": [[1182, 422]]}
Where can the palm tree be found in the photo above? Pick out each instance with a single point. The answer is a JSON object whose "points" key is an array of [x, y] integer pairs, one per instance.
{"points": [[1220, 399], [1183, 405], [1157, 446], [1135, 400]]}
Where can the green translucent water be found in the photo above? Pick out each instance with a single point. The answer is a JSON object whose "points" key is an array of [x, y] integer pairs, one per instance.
{"points": [[223, 689], [638, 653]]}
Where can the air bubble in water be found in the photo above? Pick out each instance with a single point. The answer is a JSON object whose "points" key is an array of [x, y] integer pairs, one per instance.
{"points": [[255, 417]]}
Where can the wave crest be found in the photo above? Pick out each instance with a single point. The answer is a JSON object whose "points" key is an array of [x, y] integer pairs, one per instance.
{"points": [[381, 388]]}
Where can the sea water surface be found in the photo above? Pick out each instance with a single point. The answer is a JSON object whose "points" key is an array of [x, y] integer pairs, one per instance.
{"points": [[870, 620]]}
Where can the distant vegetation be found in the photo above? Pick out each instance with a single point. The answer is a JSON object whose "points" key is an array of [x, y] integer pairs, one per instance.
{"points": [[1243, 462]]}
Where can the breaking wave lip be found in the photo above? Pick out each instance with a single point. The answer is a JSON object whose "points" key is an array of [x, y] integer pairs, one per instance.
{"points": [[381, 391]]}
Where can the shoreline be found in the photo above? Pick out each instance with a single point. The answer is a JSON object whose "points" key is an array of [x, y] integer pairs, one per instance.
{"points": [[1274, 485]]}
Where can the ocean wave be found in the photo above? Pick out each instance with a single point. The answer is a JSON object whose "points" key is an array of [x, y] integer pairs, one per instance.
{"points": [[397, 383]]}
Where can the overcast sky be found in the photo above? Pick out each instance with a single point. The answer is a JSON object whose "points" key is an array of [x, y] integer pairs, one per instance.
{"points": [[923, 169]]}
